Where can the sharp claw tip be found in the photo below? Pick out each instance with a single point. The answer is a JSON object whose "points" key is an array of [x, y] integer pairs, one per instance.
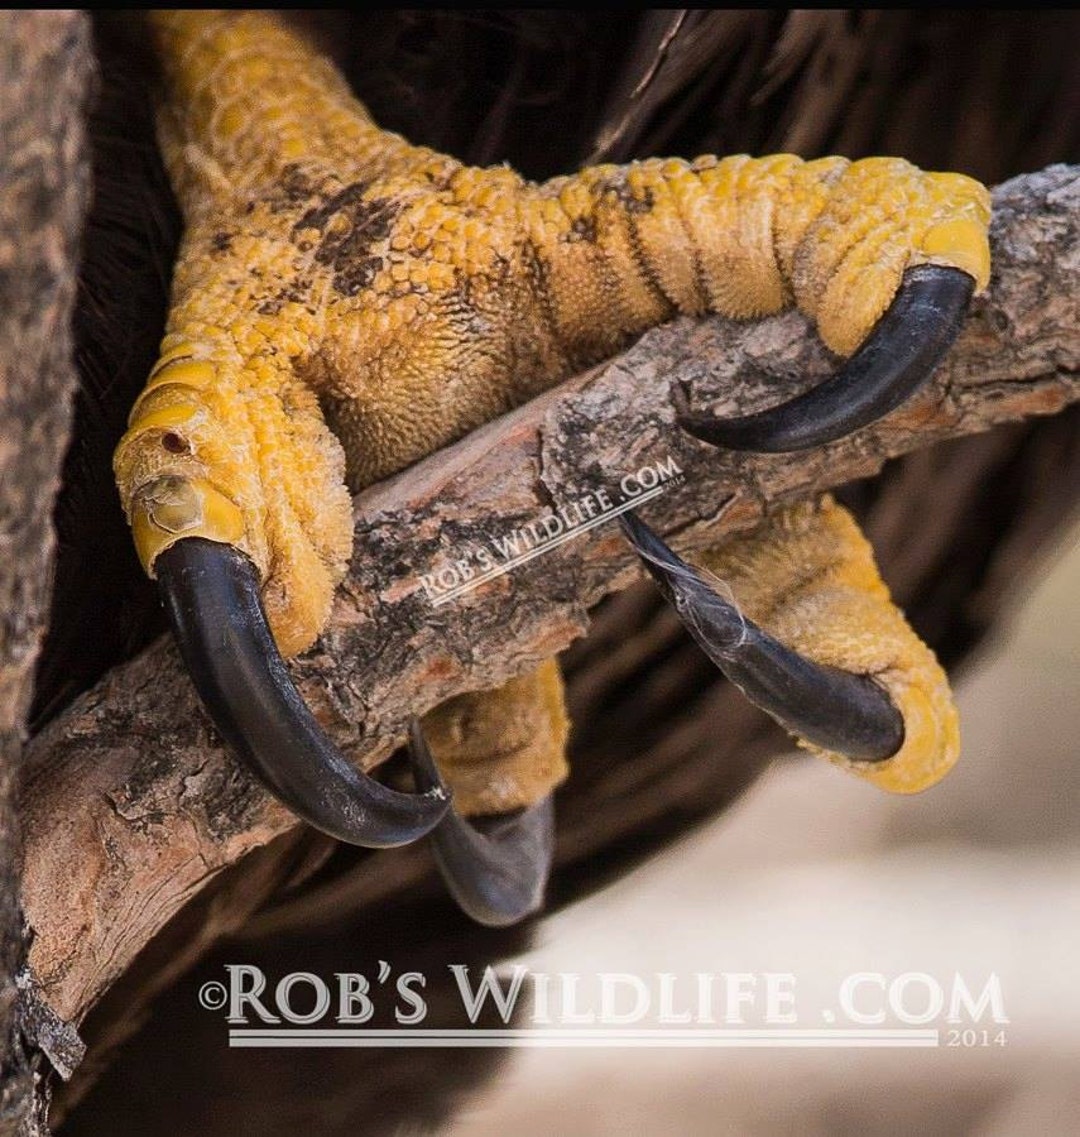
{"points": [[211, 594], [897, 358]]}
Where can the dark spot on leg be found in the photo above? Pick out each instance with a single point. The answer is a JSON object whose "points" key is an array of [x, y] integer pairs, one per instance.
{"points": [[630, 201], [351, 226], [293, 189], [355, 276], [584, 229]]}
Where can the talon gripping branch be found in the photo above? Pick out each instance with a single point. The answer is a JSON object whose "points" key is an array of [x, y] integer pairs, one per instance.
{"points": [[345, 303]]}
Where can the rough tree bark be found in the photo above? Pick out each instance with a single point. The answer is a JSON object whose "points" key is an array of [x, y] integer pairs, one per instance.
{"points": [[45, 67], [132, 806]]}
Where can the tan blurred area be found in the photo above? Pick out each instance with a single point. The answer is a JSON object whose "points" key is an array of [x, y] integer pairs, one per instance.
{"points": [[820, 875]]}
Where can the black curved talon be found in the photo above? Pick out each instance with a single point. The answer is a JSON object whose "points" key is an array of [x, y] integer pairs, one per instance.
{"points": [[897, 358], [497, 877], [834, 709], [211, 594]]}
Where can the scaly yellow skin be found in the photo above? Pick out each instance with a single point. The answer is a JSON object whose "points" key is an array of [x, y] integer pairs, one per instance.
{"points": [[345, 303], [502, 749], [808, 576]]}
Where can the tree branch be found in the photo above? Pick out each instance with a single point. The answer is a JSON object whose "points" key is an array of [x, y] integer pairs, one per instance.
{"points": [[132, 804]]}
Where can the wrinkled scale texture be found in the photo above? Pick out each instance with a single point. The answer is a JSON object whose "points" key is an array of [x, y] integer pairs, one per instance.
{"points": [[345, 303]]}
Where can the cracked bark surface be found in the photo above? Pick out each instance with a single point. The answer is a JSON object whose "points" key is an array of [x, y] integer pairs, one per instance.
{"points": [[131, 805], [44, 75]]}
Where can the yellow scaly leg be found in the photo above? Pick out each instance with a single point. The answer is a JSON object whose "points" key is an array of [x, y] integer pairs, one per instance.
{"points": [[808, 577], [345, 303]]}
